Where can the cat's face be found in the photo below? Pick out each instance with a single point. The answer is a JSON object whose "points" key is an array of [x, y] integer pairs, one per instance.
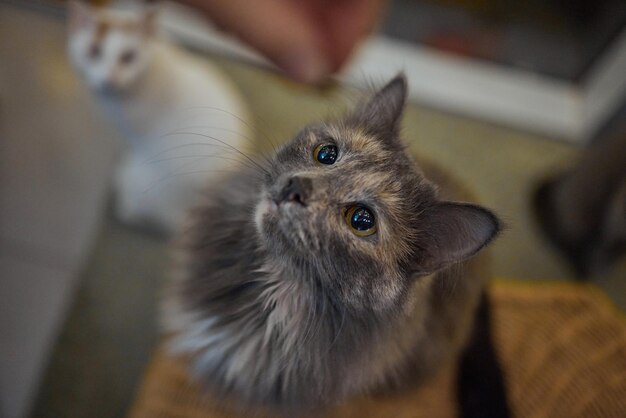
{"points": [[346, 204], [110, 50]]}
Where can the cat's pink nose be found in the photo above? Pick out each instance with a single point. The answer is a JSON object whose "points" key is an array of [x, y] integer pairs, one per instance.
{"points": [[296, 190], [110, 82], [107, 85]]}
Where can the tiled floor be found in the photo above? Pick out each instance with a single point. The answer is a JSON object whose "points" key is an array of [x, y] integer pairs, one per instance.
{"points": [[33, 299], [111, 325], [110, 330]]}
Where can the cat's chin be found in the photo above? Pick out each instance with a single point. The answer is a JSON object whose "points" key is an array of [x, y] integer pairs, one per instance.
{"points": [[277, 220], [113, 90]]}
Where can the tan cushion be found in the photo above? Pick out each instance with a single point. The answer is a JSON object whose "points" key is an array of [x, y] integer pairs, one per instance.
{"points": [[562, 345]]}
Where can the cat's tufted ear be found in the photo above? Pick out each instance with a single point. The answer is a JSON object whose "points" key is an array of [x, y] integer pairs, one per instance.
{"points": [[382, 113], [149, 21], [453, 232], [79, 15]]}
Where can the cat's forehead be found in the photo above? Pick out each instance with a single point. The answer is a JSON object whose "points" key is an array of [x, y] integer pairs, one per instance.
{"points": [[358, 150], [352, 142], [367, 166], [358, 141], [106, 22], [109, 35]]}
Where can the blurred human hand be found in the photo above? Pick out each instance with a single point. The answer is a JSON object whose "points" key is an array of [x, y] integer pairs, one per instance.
{"points": [[308, 39]]}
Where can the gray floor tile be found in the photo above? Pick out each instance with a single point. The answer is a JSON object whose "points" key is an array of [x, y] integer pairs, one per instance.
{"points": [[42, 292]]}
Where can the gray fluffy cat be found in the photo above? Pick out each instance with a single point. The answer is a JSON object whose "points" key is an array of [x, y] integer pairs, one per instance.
{"points": [[340, 272]]}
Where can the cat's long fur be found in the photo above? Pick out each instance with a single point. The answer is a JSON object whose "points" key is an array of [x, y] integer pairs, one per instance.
{"points": [[283, 305]]}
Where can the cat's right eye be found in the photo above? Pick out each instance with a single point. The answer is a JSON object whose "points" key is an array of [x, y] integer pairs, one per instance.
{"points": [[326, 154], [361, 220]]}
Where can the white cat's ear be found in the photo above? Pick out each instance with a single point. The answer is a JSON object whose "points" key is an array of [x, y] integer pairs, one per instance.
{"points": [[79, 15], [149, 20], [381, 114], [453, 232]]}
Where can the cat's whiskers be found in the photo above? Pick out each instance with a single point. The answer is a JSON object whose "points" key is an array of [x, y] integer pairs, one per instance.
{"points": [[312, 315], [310, 318], [456, 279], [186, 145], [189, 173], [215, 128], [247, 138], [199, 157], [246, 156], [240, 119], [318, 322], [338, 333]]}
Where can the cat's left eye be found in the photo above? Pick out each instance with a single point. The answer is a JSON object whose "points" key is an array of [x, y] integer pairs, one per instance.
{"points": [[326, 153], [361, 220], [128, 57]]}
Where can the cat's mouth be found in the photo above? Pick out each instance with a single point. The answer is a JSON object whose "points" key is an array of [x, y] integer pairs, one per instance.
{"points": [[112, 90], [280, 208], [283, 217]]}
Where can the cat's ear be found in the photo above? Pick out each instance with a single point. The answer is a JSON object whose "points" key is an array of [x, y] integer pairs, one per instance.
{"points": [[453, 232], [79, 15], [149, 20], [382, 113]]}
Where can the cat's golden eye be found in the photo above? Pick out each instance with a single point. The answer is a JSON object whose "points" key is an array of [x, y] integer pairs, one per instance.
{"points": [[326, 153], [361, 220]]}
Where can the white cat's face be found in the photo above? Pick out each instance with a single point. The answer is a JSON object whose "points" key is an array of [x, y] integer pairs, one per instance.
{"points": [[111, 51]]}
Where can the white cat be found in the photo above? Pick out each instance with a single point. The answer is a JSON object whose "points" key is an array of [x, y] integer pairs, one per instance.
{"points": [[183, 121]]}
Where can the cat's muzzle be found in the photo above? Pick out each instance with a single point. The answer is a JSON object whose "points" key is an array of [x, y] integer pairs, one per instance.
{"points": [[296, 189]]}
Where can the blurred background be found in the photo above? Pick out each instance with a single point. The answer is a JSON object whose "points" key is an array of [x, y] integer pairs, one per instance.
{"points": [[503, 94]]}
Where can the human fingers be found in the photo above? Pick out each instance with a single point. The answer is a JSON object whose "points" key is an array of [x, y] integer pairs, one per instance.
{"points": [[282, 30]]}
